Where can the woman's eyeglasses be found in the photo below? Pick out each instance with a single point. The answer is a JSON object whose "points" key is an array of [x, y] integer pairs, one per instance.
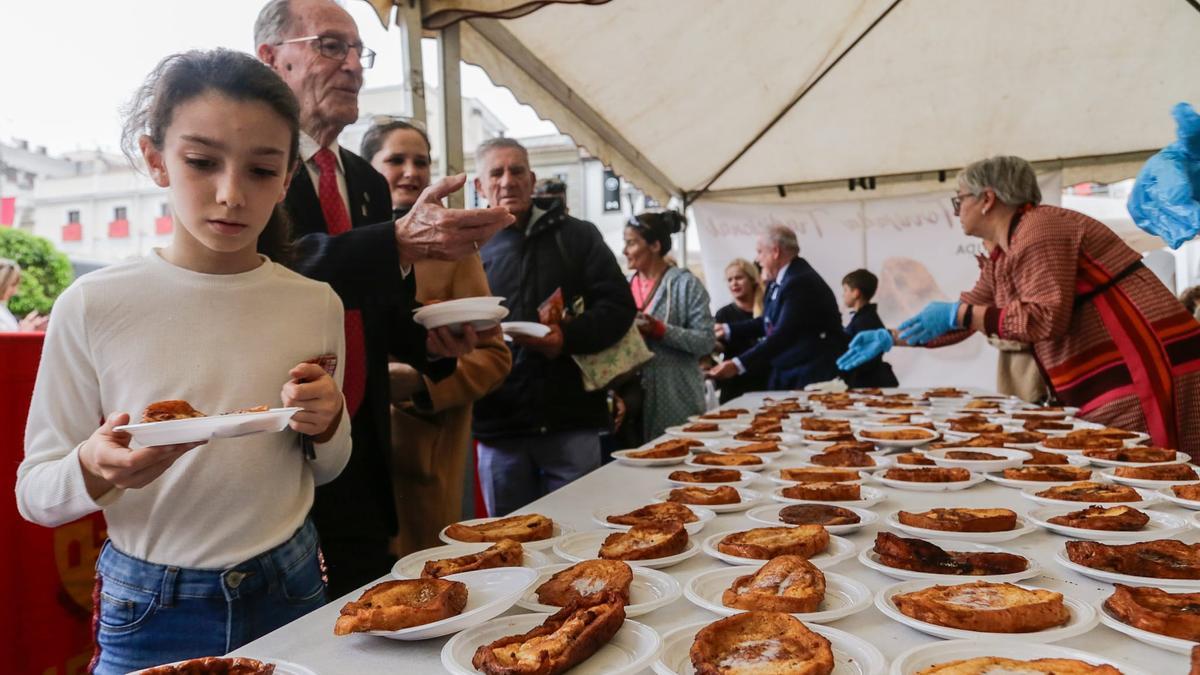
{"points": [[957, 200]]}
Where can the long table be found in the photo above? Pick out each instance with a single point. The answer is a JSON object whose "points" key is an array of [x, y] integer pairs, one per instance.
{"points": [[309, 641]]}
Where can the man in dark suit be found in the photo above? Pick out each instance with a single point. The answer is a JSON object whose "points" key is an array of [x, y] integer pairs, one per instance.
{"points": [[801, 327], [344, 234]]}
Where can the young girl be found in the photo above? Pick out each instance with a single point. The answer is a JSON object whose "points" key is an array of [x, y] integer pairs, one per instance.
{"points": [[209, 545]]}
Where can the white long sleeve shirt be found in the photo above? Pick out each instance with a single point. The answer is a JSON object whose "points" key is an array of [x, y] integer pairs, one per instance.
{"points": [[128, 335]]}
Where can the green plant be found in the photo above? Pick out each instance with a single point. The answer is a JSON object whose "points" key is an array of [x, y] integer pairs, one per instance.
{"points": [[45, 271]]}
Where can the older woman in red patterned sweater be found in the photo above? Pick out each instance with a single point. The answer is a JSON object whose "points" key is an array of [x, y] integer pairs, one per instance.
{"points": [[1110, 338]]}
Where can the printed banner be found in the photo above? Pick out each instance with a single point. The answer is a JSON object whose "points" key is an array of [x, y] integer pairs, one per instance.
{"points": [[914, 244]]}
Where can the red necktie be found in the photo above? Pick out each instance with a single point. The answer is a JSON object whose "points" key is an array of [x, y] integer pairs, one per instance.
{"points": [[337, 221]]}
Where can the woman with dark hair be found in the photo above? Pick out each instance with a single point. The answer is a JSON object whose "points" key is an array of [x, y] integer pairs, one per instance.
{"points": [[746, 287], [208, 548], [1110, 338], [431, 421], [673, 317]]}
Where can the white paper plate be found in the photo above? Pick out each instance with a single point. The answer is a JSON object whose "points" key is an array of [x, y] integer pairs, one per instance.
{"points": [[839, 549], [769, 515], [852, 655], [1180, 458], [1167, 494], [1060, 557], [1011, 459], [774, 475], [480, 301], [1148, 498], [490, 593], [281, 667], [649, 590], [999, 479], [410, 566], [555, 534], [599, 517], [201, 429], [1142, 482], [924, 656], [1083, 618], [1171, 644], [525, 328], [747, 478], [1023, 527], [1161, 526], [632, 649], [915, 486], [480, 318], [766, 461], [678, 432], [843, 596], [862, 435], [623, 456], [750, 498], [870, 497], [870, 558], [586, 546]]}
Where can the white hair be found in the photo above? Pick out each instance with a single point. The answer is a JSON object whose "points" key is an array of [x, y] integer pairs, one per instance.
{"points": [[273, 22], [1011, 178], [783, 238]]}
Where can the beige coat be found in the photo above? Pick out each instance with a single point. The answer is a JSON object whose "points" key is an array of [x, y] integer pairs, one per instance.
{"points": [[430, 447]]}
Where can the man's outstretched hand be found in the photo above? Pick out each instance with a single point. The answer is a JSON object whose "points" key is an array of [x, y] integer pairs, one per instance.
{"points": [[431, 230]]}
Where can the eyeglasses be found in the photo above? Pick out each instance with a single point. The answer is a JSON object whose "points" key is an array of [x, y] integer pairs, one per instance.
{"points": [[957, 200], [337, 49]]}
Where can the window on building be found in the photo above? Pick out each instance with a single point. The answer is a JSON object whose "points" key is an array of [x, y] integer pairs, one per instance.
{"points": [[164, 210], [120, 213], [73, 216]]}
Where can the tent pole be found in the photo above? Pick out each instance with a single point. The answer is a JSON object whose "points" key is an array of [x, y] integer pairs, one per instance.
{"points": [[408, 20], [451, 99]]}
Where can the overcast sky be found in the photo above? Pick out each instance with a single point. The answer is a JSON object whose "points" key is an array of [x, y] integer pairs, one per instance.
{"points": [[69, 66]]}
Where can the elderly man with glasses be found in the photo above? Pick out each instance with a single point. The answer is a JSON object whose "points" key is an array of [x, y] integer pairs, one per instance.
{"points": [[341, 214]]}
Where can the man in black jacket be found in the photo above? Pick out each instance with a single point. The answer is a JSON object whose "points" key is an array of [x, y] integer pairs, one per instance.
{"points": [[540, 430], [858, 287], [341, 215]]}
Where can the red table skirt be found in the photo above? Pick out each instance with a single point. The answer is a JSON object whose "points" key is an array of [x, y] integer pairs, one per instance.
{"points": [[46, 573]]}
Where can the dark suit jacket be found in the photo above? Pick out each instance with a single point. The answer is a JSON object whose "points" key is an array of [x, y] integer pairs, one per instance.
{"points": [[363, 267], [801, 329], [873, 373]]}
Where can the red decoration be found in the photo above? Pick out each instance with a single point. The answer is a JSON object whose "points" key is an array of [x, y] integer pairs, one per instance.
{"points": [[72, 232], [164, 225], [118, 229]]}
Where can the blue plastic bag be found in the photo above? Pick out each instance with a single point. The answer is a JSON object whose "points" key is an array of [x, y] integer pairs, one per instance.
{"points": [[1166, 197]]}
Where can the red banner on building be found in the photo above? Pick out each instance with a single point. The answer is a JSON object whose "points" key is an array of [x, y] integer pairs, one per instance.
{"points": [[8, 211]]}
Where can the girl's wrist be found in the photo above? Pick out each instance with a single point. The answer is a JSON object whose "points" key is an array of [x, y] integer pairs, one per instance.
{"points": [[96, 485]]}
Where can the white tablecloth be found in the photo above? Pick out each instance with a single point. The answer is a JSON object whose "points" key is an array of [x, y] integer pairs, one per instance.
{"points": [[310, 641]]}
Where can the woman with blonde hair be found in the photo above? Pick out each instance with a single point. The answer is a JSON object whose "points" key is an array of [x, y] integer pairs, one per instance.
{"points": [[746, 287], [10, 281]]}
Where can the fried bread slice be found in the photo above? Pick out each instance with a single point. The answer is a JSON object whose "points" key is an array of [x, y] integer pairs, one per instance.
{"points": [[971, 455], [995, 665], [1137, 454], [393, 605], [214, 665], [764, 543], [975, 426], [928, 474], [828, 425], [657, 512], [844, 457], [726, 459], [914, 459], [561, 642], [706, 476], [645, 542], [701, 428], [585, 581], [766, 447], [676, 447], [824, 491], [819, 475], [919, 555], [760, 643], [726, 414], [818, 514], [1041, 457], [829, 436], [1191, 491], [1157, 472], [1070, 442], [1089, 491], [1157, 611], [705, 496], [1048, 473], [961, 519], [787, 583], [1160, 558], [755, 436], [528, 527], [1043, 424], [504, 553], [165, 411], [899, 434], [985, 606], [1108, 518]]}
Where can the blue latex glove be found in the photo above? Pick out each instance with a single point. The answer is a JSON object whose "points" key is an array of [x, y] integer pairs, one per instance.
{"points": [[1165, 200], [864, 347], [937, 319]]}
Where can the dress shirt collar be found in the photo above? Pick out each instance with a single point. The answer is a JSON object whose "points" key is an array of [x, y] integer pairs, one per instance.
{"points": [[309, 147]]}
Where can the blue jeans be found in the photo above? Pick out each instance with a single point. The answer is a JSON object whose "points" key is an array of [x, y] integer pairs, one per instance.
{"points": [[152, 614], [516, 470]]}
